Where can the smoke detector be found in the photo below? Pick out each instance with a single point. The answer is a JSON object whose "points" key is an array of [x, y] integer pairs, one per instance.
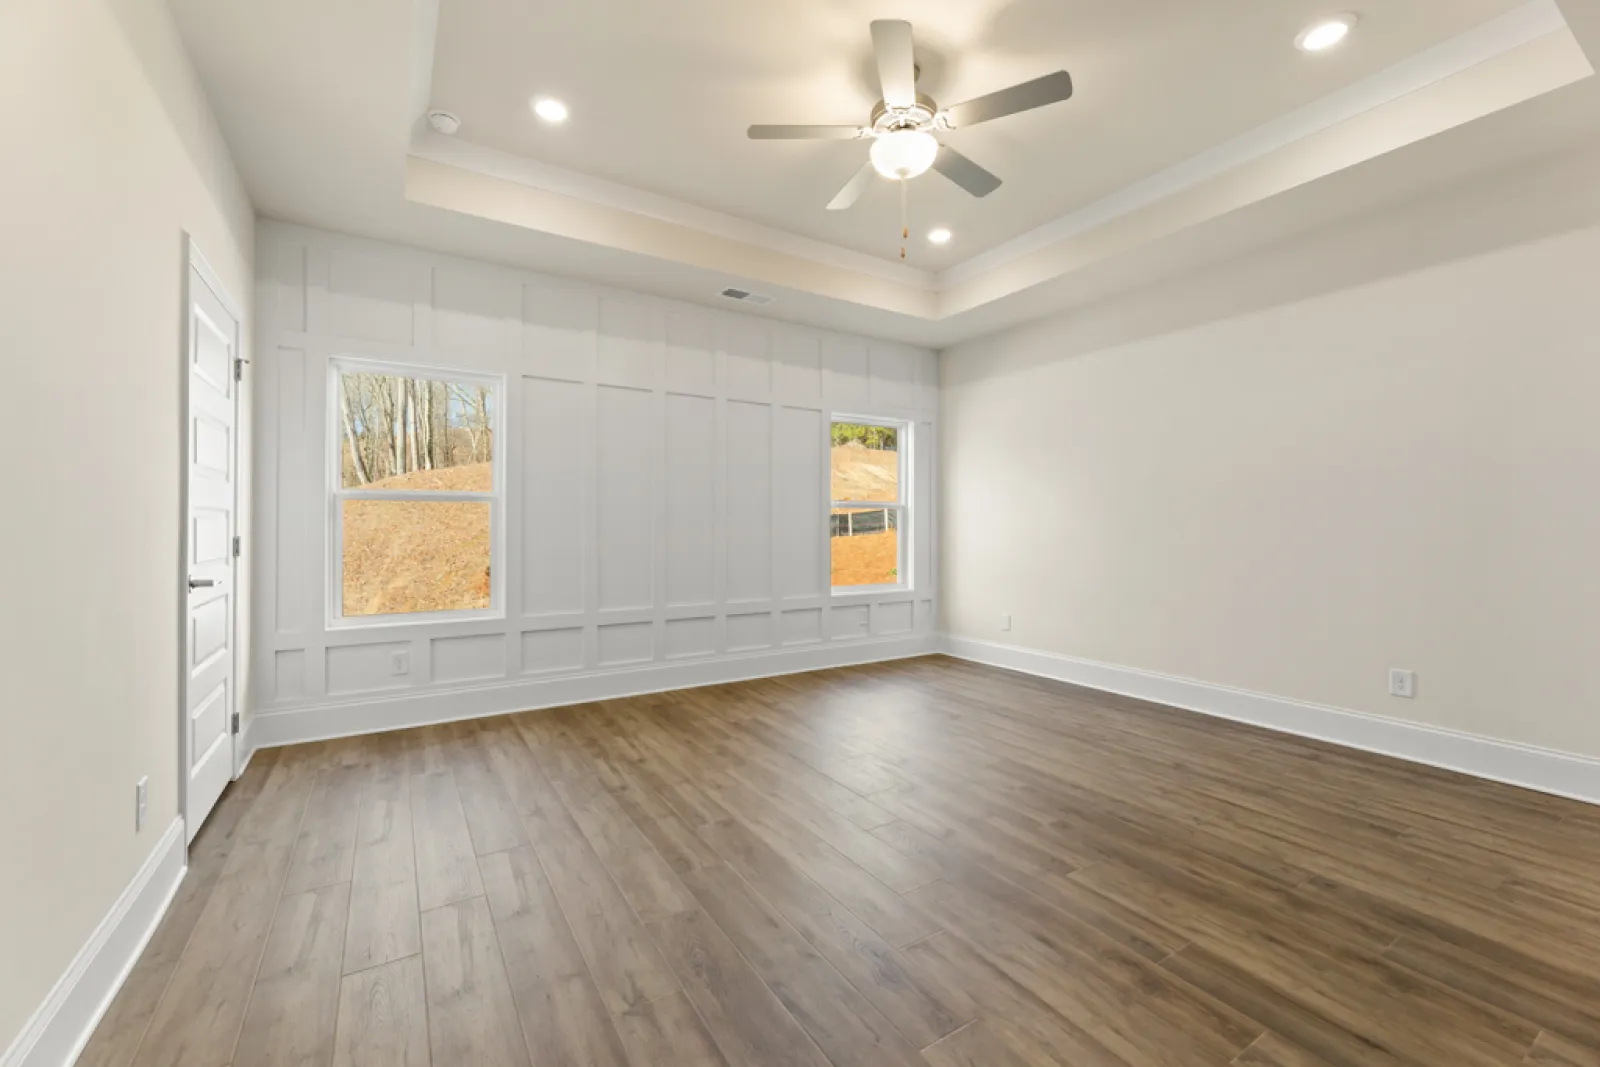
{"points": [[443, 121], [745, 296]]}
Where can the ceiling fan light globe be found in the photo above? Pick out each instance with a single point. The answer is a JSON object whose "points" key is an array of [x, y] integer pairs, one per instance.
{"points": [[903, 154]]}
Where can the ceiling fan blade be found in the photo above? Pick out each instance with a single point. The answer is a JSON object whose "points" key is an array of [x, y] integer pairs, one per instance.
{"points": [[1026, 96], [804, 133], [897, 69], [964, 172], [853, 189]]}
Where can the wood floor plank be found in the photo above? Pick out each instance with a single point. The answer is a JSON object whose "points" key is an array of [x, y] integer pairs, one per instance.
{"points": [[447, 867], [1552, 1051], [514, 764], [1270, 1050], [889, 913], [562, 1012], [987, 1043], [1021, 889], [1114, 995], [645, 878], [1002, 997], [471, 1015], [493, 820], [625, 962], [669, 1033], [1561, 1003], [1361, 989], [295, 1006], [921, 1007], [325, 850], [748, 1022], [1354, 1018], [384, 922], [674, 839], [849, 1032], [383, 1017], [429, 749]]}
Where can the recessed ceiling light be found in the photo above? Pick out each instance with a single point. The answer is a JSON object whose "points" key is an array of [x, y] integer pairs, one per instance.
{"points": [[1323, 35], [939, 236], [550, 109]]}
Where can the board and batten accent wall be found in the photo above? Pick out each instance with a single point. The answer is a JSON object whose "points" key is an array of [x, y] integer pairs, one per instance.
{"points": [[666, 500]]}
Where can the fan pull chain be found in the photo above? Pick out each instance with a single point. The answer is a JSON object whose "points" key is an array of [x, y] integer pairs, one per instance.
{"points": [[905, 230]]}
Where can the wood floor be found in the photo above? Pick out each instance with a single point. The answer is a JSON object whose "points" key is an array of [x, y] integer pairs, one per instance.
{"points": [[923, 863]]}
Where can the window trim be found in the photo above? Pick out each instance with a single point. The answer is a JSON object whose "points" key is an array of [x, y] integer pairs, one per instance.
{"points": [[903, 506], [336, 494]]}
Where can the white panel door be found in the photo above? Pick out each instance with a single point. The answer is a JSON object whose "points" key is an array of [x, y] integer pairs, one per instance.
{"points": [[208, 657]]}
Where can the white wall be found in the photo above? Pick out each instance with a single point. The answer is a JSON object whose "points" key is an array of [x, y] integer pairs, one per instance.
{"points": [[688, 445], [1295, 498], [111, 155]]}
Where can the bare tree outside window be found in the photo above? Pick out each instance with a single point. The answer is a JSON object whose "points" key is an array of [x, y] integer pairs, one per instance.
{"points": [[416, 492], [395, 426]]}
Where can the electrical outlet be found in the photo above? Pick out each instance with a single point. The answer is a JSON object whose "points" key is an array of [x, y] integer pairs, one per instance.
{"points": [[399, 663], [141, 800], [1005, 622], [1402, 683]]}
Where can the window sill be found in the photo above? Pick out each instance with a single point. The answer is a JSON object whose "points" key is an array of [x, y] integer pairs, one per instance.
{"points": [[419, 618], [868, 590]]}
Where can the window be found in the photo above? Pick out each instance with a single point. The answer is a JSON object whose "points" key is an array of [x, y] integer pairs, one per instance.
{"points": [[867, 526], [416, 492]]}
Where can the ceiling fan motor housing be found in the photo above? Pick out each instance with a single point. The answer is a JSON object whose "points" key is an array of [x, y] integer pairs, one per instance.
{"points": [[919, 116]]}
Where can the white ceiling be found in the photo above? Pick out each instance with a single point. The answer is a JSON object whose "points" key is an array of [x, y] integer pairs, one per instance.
{"points": [[1197, 131], [661, 94]]}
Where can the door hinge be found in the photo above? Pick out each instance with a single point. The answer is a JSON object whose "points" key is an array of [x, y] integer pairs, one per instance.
{"points": [[238, 368], [238, 545], [236, 722]]}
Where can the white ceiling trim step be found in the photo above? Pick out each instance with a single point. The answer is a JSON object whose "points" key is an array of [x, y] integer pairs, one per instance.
{"points": [[467, 155], [1516, 28], [471, 192]]}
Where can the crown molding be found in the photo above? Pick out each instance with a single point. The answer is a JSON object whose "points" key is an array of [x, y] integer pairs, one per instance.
{"points": [[1498, 36], [507, 166]]}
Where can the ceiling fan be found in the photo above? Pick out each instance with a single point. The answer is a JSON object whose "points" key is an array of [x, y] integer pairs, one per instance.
{"points": [[903, 123]]}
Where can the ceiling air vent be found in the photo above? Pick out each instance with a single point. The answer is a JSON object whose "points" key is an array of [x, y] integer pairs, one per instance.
{"points": [[744, 296]]}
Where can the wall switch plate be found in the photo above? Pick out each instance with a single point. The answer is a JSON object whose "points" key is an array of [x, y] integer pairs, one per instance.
{"points": [[1402, 683], [399, 663], [141, 798], [1005, 622]]}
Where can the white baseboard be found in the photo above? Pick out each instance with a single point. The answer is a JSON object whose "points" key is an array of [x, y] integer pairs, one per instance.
{"points": [[59, 1029], [1545, 770], [395, 711]]}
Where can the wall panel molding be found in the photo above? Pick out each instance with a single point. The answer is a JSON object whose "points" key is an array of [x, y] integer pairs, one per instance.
{"points": [[395, 711], [666, 467]]}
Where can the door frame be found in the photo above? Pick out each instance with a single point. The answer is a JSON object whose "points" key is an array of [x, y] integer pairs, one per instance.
{"points": [[194, 262]]}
